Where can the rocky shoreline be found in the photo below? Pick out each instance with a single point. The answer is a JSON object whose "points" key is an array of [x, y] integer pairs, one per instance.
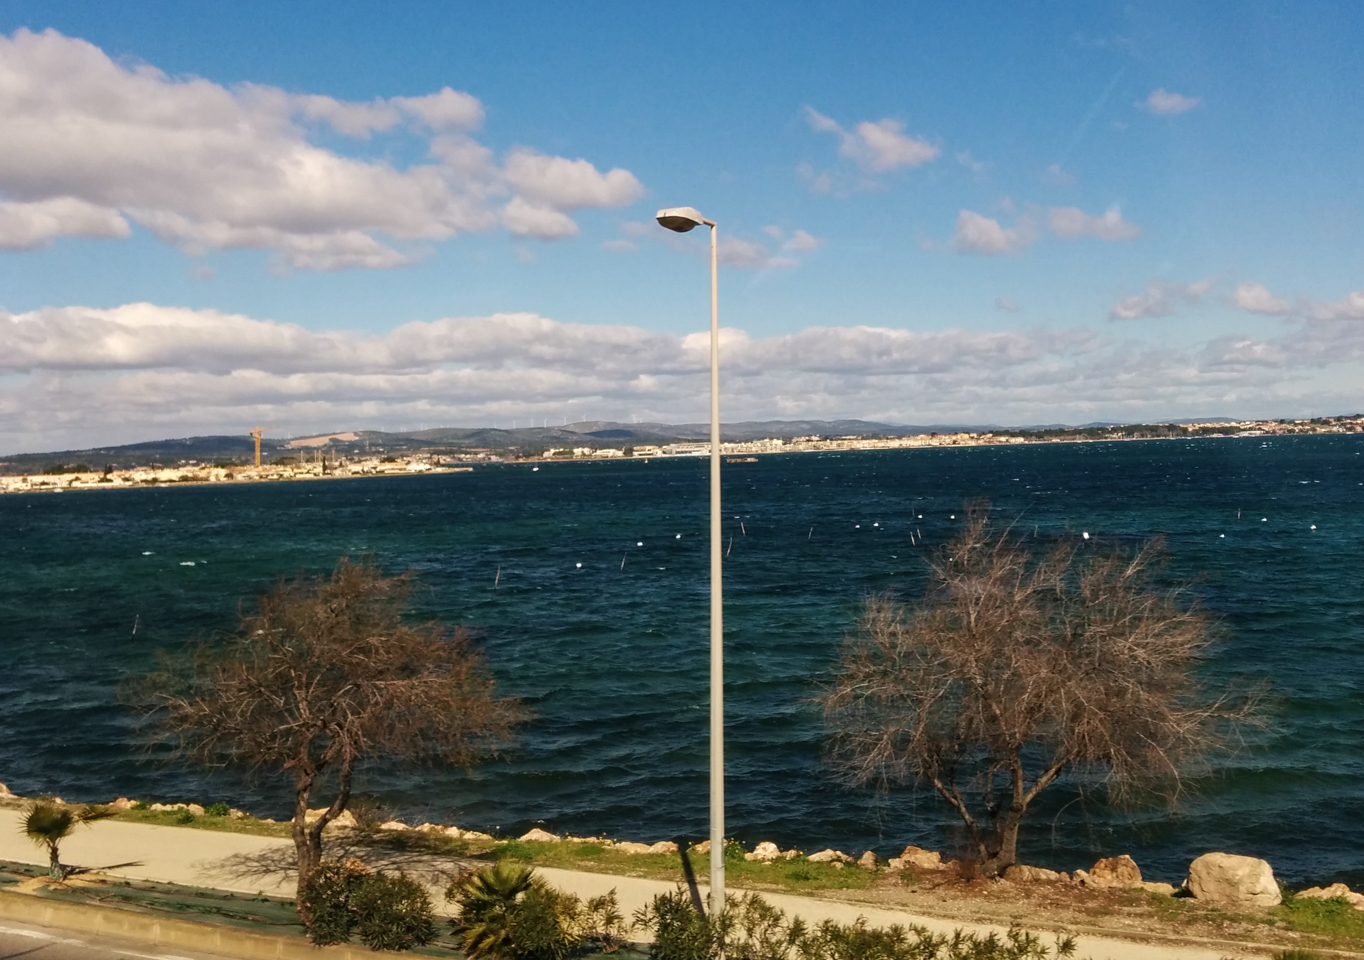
{"points": [[1215, 878]]}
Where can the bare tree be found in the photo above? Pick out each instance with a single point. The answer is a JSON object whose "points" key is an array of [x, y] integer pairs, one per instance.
{"points": [[1017, 669], [321, 677]]}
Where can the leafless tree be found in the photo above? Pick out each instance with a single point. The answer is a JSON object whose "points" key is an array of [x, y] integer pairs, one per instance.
{"points": [[1018, 668], [321, 677]]}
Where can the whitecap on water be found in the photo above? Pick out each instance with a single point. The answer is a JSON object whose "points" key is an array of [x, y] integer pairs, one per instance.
{"points": [[186, 563]]}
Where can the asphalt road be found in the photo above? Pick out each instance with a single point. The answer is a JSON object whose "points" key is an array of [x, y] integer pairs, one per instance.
{"points": [[41, 943]]}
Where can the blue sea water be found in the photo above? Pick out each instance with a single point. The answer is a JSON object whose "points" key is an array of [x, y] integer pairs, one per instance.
{"points": [[611, 655]]}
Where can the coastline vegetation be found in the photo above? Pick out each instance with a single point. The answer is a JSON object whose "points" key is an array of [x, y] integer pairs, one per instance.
{"points": [[1019, 669], [321, 677]]}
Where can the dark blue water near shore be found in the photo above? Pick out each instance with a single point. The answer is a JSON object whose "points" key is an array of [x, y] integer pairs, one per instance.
{"points": [[614, 660]]}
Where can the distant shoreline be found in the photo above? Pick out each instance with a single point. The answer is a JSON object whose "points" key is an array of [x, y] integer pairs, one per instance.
{"points": [[737, 454]]}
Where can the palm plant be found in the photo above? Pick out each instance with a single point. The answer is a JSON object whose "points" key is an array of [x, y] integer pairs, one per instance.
{"points": [[488, 902], [48, 823]]}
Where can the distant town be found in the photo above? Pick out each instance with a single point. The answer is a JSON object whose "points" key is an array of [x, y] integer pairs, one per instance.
{"points": [[361, 454]]}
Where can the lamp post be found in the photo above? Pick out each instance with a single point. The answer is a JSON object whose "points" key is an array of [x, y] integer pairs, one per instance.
{"points": [[682, 219]]}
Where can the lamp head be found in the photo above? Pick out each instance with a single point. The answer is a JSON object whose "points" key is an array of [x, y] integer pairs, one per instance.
{"points": [[682, 219]]}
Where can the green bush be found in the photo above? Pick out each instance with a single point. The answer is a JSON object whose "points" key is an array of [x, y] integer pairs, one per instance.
{"points": [[1296, 954], [752, 929], [344, 898], [184, 816], [325, 906], [217, 810], [392, 913], [508, 913]]}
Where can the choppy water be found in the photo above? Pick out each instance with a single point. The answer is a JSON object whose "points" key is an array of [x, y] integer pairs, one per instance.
{"points": [[614, 661]]}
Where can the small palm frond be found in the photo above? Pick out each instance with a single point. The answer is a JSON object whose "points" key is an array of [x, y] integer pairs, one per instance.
{"points": [[487, 905], [48, 822]]}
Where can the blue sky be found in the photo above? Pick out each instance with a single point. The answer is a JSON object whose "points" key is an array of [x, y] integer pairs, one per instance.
{"points": [[342, 215]]}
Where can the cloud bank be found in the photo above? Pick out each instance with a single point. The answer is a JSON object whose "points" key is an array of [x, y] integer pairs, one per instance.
{"points": [[76, 376], [92, 146]]}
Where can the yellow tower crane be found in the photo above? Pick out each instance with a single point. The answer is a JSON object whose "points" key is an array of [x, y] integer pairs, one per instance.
{"points": [[256, 433]]}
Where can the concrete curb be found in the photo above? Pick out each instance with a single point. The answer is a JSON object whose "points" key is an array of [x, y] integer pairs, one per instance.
{"points": [[101, 920]]}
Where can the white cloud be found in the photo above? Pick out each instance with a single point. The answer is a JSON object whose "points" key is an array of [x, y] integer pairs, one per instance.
{"points": [[565, 184], [877, 147], [1349, 307], [358, 120], [1165, 103], [619, 246], [1256, 298], [798, 242], [1159, 299], [75, 376], [1068, 223], [747, 255], [545, 223], [1057, 177], [817, 182], [445, 110], [91, 144], [978, 167], [1007, 305], [977, 233], [27, 225]]}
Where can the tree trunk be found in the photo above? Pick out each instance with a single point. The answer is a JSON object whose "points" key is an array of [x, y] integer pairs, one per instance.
{"points": [[1005, 852], [54, 867], [307, 845]]}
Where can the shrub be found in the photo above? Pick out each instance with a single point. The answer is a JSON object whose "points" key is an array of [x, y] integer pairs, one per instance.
{"points": [[344, 898], [393, 913], [680, 931], [508, 913], [217, 810], [326, 900], [184, 816], [368, 812], [752, 929]]}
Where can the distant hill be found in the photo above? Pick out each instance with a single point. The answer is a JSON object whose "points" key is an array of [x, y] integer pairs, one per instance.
{"points": [[240, 449]]}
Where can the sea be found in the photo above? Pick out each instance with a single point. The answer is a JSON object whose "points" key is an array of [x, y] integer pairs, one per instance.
{"points": [[587, 585]]}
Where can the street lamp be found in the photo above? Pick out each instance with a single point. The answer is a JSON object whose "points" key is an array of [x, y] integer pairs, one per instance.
{"points": [[682, 219]]}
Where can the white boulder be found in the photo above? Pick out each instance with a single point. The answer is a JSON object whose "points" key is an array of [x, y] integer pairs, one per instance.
{"points": [[765, 852], [1022, 873], [1119, 872], [394, 826], [536, 835], [829, 856], [917, 858], [663, 846], [1233, 880], [1333, 892]]}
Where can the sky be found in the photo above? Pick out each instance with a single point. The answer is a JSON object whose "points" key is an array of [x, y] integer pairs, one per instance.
{"points": [[343, 215]]}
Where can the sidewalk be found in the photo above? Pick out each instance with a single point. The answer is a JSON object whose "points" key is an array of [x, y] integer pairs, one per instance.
{"points": [[204, 858]]}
